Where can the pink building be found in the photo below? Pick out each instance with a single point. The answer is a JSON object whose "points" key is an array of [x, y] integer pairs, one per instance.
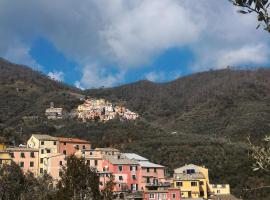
{"points": [[54, 164], [125, 172], [69, 146], [168, 194], [26, 158], [151, 175]]}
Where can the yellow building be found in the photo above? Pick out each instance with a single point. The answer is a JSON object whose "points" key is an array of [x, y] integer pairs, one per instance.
{"points": [[219, 189], [47, 146], [192, 180], [2, 146], [4, 157]]}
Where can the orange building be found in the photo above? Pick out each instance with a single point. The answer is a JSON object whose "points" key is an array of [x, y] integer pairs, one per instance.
{"points": [[69, 146]]}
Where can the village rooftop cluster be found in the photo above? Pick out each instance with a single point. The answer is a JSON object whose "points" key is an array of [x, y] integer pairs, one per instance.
{"points": [[135, 176], [95, 110]]}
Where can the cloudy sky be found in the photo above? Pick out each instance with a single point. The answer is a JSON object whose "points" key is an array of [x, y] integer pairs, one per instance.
{"points": [[95, 43]]}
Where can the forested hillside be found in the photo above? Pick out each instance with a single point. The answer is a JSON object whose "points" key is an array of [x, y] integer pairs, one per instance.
{"points": [[203, 119]]}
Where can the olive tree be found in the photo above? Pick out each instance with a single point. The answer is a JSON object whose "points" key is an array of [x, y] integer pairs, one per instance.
{"points": [[259, 7]]}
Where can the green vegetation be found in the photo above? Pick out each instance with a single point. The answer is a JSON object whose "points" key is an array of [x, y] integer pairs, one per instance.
{"points": [[203, 119]]}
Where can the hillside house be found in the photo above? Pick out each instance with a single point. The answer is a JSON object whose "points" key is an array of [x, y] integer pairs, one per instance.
{"points": [[54, 113]]}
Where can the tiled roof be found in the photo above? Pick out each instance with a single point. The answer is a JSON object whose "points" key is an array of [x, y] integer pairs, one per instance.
{"points": [[135, 156], [224, 197], [106, 149], [149, 164], [21, 149], [73, 140], [194, 176], [45, 137], [119, 161]]}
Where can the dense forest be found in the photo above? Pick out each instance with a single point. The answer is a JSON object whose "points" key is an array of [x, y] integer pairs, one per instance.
{"points": [[203, 119]]}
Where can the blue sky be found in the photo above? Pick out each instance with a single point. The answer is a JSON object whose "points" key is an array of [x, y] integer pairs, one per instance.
{"points": [[112, 42]]}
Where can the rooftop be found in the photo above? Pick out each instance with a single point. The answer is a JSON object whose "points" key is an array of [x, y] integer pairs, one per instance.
{"points": [[21, 149], [106, 149], [149, 164], [45, 137], [135, 156], [119, 161], [194, 176], [72, 140]]}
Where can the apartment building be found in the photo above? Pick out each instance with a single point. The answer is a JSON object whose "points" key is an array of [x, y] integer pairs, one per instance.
{"points": [[69, 146]]}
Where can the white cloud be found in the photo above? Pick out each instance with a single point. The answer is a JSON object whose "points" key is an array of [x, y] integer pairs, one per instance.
{"points": [[96, 76], [258, 54], [128, 33], [78, 85], [59, 76]]}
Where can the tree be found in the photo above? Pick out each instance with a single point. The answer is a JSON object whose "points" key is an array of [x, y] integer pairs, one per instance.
{"points": [[40, 188], [107, 192], [261, 155], [260, 7], [78, 181], [12, 182]]}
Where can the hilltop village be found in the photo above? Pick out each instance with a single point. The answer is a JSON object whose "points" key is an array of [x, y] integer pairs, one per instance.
{"points": [[94, 110], [135, 177]]}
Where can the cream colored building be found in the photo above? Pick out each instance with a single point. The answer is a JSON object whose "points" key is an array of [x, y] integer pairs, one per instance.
{"points": [[219, 189], [47, 146]]}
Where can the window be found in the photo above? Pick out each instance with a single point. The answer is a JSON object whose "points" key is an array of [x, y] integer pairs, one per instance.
{"points": [[77, 146], [120, 178], [31, 164], [65, 152], [21, 164], [41, 170], [42, 142], [134, 177], [193, 183], [173, 195], [48, 151], [151, 196], [155, 170], [147, 169], [201, 183], [65, 143], [218, 191], [88, 162], [42, 151], [60, 163], [11, 155], [179, 184], [54, 143], [164, 196], [120, 168], [83, 146], [147, 180], [190, 171], [22, 155], [32, 154], [134, 187], [91, 153], [41, 160], [96, 162]]}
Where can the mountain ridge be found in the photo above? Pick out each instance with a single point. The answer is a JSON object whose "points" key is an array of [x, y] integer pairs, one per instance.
{"points": [[202, 118]]}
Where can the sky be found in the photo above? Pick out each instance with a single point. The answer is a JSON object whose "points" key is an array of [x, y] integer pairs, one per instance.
{"points": [[96, 43]]}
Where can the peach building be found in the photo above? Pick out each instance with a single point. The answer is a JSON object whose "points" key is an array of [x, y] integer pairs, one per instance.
{"points": [[54, 164], [26, 158], [69, 146]]}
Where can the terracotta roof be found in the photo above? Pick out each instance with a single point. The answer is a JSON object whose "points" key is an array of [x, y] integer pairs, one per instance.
{"points": [[72, 140], [45, 137], [224, 197]]}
